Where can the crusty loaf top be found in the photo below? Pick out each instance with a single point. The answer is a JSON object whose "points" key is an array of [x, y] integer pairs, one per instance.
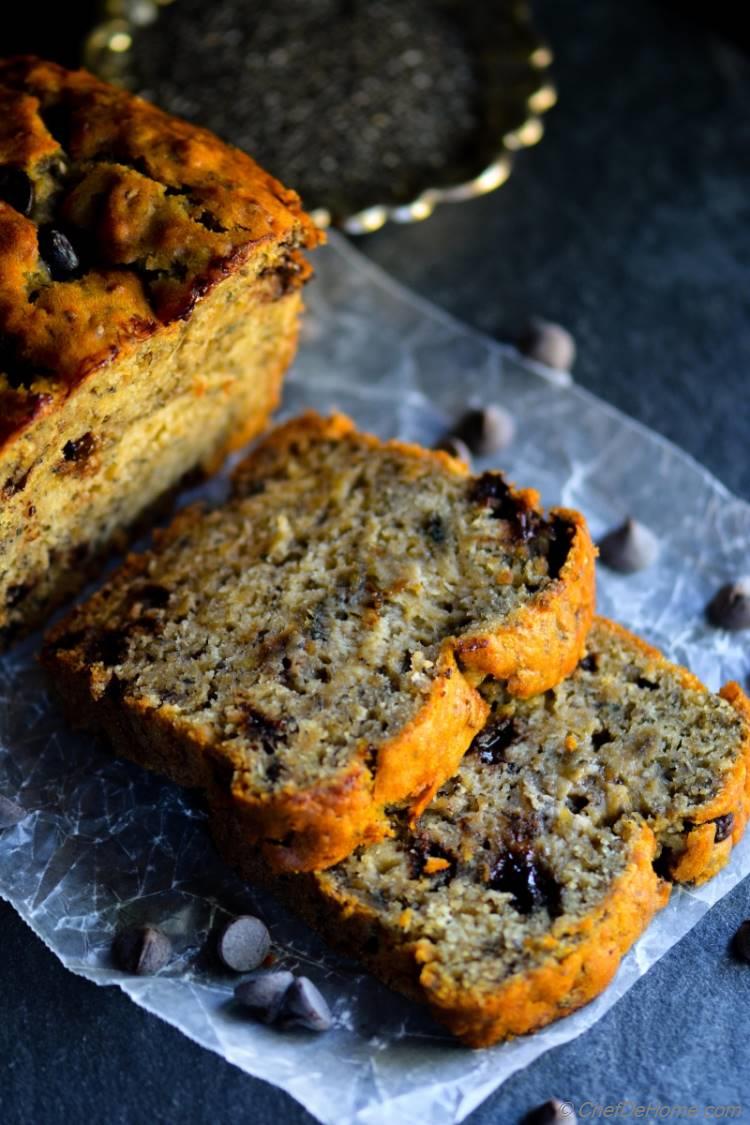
{"points": [[157, 211]]}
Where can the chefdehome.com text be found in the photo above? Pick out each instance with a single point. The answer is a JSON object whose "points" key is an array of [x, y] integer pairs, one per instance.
{"points": [[651, 1111]]}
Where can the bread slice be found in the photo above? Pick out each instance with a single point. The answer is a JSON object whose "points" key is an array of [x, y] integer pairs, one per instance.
{"points": [[512, 899], [150, 292], [306, 652]]}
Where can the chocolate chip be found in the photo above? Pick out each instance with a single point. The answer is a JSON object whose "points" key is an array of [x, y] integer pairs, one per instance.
{"points": [[57, 251], [523, 875], [730, 607], [10, 813], [553, 1112], [142, 950], [628, 548], [435, 528], [486, 431], [456, 447], [645, 684], [305, 1006], [80, 449], [262, 728], [589, 663], [492, 742], [561, 537], [548, 343], [264, 995], [244, 944], [741, 941], [724, 827], [16, 189]]}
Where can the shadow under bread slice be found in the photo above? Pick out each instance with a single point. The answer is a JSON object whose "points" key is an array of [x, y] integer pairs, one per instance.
{"points": [[512, 899], [304, 653]]}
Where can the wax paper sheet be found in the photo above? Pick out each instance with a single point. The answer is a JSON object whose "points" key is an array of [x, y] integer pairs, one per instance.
{"points": [[105, 844]]}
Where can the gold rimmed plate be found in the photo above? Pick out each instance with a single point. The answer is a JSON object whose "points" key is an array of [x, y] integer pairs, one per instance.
{"points": [[379, 111]]}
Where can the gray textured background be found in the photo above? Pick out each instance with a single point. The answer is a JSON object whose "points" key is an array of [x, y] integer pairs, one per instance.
{"points": [[629, 224]]}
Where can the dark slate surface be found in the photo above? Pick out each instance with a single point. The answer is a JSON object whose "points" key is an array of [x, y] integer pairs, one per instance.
{"points": [[629, 224]]}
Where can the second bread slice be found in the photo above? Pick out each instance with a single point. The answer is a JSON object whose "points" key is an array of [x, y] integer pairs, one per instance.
{"points": [[309, 652]]}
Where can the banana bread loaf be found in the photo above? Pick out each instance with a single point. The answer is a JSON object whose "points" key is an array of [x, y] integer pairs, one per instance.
{"points": [[149, 294], [512, 899], [304, 653]]}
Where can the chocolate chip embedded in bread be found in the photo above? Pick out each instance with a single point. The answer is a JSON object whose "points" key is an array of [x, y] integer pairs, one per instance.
{"points": [[16, 189], [553, 1112], [724, 827], [264, 995], [730, 607], [628, 548], [492, 742], [548, 343], [524, 875], [142, 950], [305, 1006], [11, 814], [244, 944], [486, 431]]}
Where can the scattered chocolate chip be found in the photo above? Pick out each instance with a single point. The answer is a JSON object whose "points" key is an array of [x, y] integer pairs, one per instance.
{"points": [[10, 813], [523, 875], [492, 742], [456, 447], [142, 950], [305, 1006], [548, 343], [486, 431], [16, 189], [553, 1112], [244, 944], [628, 548], [264, 995], [576, 802], [730, 607], [645, 684], [724, 827], [741, 941], [57, 251], [589, 663]]}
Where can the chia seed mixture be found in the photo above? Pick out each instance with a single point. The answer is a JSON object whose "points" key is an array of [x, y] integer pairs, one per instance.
{"points": [[351, 102]]}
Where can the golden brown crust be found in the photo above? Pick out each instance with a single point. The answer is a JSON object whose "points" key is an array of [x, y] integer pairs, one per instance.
{"points": [[161, 211]]}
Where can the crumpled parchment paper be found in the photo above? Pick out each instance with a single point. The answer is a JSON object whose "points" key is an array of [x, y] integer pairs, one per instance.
{"points": [[105, 844]]}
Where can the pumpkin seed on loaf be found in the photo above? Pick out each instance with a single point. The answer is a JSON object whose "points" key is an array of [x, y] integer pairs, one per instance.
{"points": [[308, 653]]}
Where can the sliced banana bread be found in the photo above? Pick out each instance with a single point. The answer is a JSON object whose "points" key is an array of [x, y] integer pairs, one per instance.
{"points": [[302, 652], [150, 280], [512, 899]]}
